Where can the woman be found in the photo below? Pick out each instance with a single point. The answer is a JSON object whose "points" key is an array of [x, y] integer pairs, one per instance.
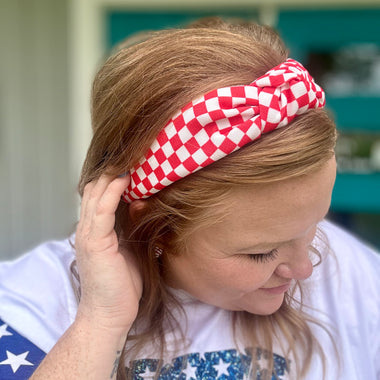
{"points": [[209, 258]]}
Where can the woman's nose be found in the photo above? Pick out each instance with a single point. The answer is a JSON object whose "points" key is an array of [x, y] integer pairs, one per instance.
{"points": [[297, 266]]}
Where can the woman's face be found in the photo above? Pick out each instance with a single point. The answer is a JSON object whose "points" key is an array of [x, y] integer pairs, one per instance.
{"points": [[249, 260]]}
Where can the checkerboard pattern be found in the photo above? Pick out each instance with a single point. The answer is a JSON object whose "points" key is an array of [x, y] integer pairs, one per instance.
{"points": [[221, 122]]}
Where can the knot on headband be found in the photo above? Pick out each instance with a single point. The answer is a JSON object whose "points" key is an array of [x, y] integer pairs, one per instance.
{"points": [[222, 121]]}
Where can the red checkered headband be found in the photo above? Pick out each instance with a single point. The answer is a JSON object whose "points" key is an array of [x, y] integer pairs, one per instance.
{"points": [[221, 122]]}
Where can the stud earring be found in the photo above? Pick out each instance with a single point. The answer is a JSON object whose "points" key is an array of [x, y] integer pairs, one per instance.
{"points": [[158, 251]]}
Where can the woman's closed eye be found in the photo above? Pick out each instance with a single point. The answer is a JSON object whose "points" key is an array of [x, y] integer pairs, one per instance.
{"points": [[263, 257]]}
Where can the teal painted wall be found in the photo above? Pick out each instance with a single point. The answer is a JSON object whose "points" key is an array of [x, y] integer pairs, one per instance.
{"points": [[121, 24]]}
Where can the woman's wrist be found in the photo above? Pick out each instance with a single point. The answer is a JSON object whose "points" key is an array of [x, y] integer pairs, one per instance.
{"points": [[89, 349], [102, 325]]}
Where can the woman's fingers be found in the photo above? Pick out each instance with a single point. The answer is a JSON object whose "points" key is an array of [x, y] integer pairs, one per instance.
{"points": [[111, 281], [111, 192], [103, 219], [99, 203], [101, 197], [92, 193]]}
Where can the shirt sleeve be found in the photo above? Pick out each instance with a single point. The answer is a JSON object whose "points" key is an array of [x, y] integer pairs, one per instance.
{"points": [[346, 298], [19, 357], [37, 304]]}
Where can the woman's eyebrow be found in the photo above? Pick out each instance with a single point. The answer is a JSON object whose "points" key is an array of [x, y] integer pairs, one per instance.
{"points": [[263, 246]]}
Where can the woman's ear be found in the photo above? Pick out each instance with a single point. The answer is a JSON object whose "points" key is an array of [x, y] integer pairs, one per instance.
{"points": [[136, 208]]}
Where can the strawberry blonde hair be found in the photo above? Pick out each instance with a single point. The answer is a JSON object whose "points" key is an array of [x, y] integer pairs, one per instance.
{"points": [[137, 90]]}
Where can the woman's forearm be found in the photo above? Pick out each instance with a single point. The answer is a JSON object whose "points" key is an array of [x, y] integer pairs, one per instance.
{"points": [[86, 351]]}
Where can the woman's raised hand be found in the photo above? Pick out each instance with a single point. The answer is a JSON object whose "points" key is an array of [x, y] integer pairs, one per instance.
{"points": [[111, 288], [111, 283]]}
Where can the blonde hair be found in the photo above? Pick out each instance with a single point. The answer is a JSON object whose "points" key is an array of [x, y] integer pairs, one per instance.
{"points": [[135, 93]]}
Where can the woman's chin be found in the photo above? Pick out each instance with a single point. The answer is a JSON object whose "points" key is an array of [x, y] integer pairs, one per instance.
{"points": [[266, 308]]}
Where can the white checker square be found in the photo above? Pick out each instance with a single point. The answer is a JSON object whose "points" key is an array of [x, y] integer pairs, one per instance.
{"points": [[231, 112], [312, 96], [204, 119], [253, 132], [225, 91], [223, 123], [170, 130], [141, 187], [153, 163], [288, 76], [299, 89], [184, 134], [262, 82], [167, 149], [236, 135], [181, 171], [265, 98], [152, 191], [274, 116], [278, 71], [217, 138], [166, 167], [140, 172], [238, 101], [251, 92], [212, 104], [248, 114], [283, 123], [155, 146], [133, 195], [188, 115], [152, 178], [292, 108], [183, 154], [217, 155], [199, 157], [201, 137], [165, 182]]}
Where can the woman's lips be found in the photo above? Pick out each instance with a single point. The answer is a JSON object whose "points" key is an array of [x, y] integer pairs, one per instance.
{"points": [[277, 289]]}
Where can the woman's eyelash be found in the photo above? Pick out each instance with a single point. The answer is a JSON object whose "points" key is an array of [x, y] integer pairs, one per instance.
{"points": [[263, 257]]}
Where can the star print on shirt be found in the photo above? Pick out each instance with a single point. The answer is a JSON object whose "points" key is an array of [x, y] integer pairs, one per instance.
{"points": [[221, 365], [148, 374], [190, 372], [222, 368], [3, 331], [19, 357], [16, 361]]}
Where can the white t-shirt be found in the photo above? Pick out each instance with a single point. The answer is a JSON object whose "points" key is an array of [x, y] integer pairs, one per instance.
{"points": [[38, 303]]}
